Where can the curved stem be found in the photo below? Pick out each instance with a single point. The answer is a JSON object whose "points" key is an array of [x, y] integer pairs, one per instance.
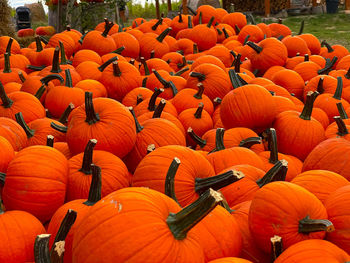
{"points": [[320, 88], [199, 76], [198, 140], [200, 91], [44, 40], [161, 79], [35, 68], [342, 129], [6, 101], [249, 142], [273, 148], [255, 47], [63, 54], [339, 89], [276, 173], [301, 29], [107, 63], [162, 35], [217, 182], [276, 247], [328, 67], [64, 117], [153, 99], [7, 63], [39, 46], [198, 113], [183, 63], [308, 107], [159, 109], [95, 186], [88, 157], [50, 140], [45, 80], [155, 26], [183, 221], [145, 66], [118, 50], [59, 128], [139, 128], [41, 248], [328, 46], [173, 88], [144, 82], [342, 112], [40, 92], [9, 46], [91, 116], [116, 70], [308, 225], [219, 140], [170, 179], [181, 71], [20, 120]]}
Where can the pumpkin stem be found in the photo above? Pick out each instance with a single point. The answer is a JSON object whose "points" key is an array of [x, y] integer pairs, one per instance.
{"points": [[139, 99], [6, 101], [224, 203], [309, 104], [347, 75], [7, 63], [237, 29], [107, 63], [9, 45], [199, 111], [276, 173], [116, 70], [200, 91], [342, 112], [2, 183], [217, 182], [63, 54], [152, 54], [153, 99], [342, 129], [255, 47], [328, 67], [246, 40], [180, 17], [276, 247], [155, 26], [41, 248], [64, 228], [210, 23], [308, 225], [145, 66], [119, 50], [219, 140], [139, 127], [91, 116], [50, 140], [45, 80], [272, 145], [159, 109], [21, 77], [249, 142], [55, 61], [170, 179], [192, 11], [40, 92], [183, 221], [306, 57], [87, 158], [200, 18], [20, 120], [225, 32], [182, 64], [328, 46], [44, 40], [235, 81], [162, 35], [320, 88], [64, 117], [195, 48], [144, 82], [198, 140], [217, 101], [39, 46], [199, 76], [181, 71], [132, 62], [95, 186], [35, 68], [160, 78], [69, 82], [108, 27], [301, 29], [150, 148], [339, 89], [59, 128], [237, 63]]}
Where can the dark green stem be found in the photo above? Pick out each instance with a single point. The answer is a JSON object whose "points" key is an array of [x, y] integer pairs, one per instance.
{"points": [[235, 81], [153, 53], [64, 117], [200, 18], [69, 82], [63, 54], [153, 99], [7, 63], [339, 89], [155, 26], [219, 140], [95, 186], [107, 63], [39, 46], [86, 167], [320, 88], [273, 148], [139, 128], [55, 61], [162, 35], [237, 29], [9, 46], [328, 46], [145, 66], [40, 92], [50, 140], [255, 47], [237, 63], [45, 80], [6, 101], [116, 70], [200, 91], [182, 64], [308, 107], [20, 120], [180, 17], [225, 32], [199, 111], [139, 99], [301, 29], [181, 71], [159, 109], [342, 112], [199, 76], [2, 183], [118, 50], [276, 173], [249, 142], [170, 179], [328, 67], [342, 129], [308, 225], [91, 116], [306, 58], [217, 101], [198, 140], [41, 248], [107, 29], [21, 77], [59, 128], [210, 23], [347, 75], [192, 11]]}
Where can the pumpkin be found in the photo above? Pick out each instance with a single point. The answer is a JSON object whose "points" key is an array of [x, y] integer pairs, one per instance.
{"points": [[250, 33], [94, 86], [209, 59], [312, 43], [151, 42], [179, 23], [278, 29], [338, 129], [136, 96], [15, 47], [86, 55], [203, 35], [8, 73], [36, 181], [235, 19], [283, 77], [7, 154], [321, 84], [295, 45], [331, 52], [66, 40], [18, 61], [13, 133]]}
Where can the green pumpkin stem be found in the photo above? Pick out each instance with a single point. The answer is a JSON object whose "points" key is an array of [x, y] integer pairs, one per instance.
{"points": [[219, 31], [161, 79], [328, 46], [144, 64], [301, 29], [200, 18], [200, 91], [144, 82], [306, 57], [159, 109], [339, 89], [35, 68], [139, 99], [199, 111], [181, 71], [55, 61], [63, 54], [273, 148], [107, 63], [95, 186], [276, 173], [237, 29], [195, 49], [91, 116], [246, 39], [255, 47], [342, 129], [119, 50], [347, 75], [162, 35], [170, 179], [2, 181], [219, 140], [217, 182], [69, 82], [198, 140], [210, 23], [237, 63], [41, 248], [217, 101], [308, 225], [21, 76], [249, 142], [58, 127], [183, 221], [328, 67], [342, 112], [7, 63], [153, 53], [159, 22], [180, 17], [309, 104], [20, 120], [88, 157], [44, 40], [183, 63], [320, 88], [64, 117], [40, 92], [116, 70], [139, 127], [225, 32], [39, 46], [45, 80], [276, 247], [6, 101], [9, 46], [199, 76], [153, 99], [235, 81], [50, 140], [108, 27]]}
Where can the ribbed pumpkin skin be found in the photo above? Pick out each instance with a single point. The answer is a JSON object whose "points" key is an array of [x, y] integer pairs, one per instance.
{"points": [[230, 260], [13, 132], [337, 205], [315, 250], [283, 218], [133, 216], [115, 132], [36, 181], [6, 154], [332, 155], [18, 232], [321, 183], [152, 170], [114, 175]]}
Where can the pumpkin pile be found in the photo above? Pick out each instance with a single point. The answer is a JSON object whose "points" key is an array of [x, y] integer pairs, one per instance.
{"points": [[197, 139]]}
